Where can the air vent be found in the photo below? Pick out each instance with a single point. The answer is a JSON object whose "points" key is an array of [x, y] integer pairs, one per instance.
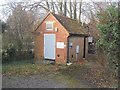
{"points": [[56, 29]]}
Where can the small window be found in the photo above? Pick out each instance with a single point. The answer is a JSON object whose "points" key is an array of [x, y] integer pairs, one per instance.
{"points": [[49, 25]]}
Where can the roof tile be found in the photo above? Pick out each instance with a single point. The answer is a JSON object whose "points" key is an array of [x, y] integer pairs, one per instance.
{"points": [[71, 25]]}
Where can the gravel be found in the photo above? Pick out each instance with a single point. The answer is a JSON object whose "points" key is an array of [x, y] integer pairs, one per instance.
{"points": [[34, 81]]}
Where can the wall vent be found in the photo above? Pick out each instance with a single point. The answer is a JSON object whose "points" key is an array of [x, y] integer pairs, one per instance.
{"points": [[56, 29]]}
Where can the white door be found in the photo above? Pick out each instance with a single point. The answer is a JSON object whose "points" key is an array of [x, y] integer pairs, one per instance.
{"points": [[49, 46]]}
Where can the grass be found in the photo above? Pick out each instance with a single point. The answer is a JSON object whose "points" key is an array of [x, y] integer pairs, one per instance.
{"points": [[71, 75], [92, 75], [25, 68], [70, 81]]}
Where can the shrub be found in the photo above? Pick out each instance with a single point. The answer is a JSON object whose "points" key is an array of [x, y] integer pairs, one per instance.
{"points": [[12, 54], [109, 41]]}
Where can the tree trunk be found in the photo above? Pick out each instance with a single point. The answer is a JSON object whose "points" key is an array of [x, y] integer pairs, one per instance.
{"points": [[70, 9], [60, 5], [75, 11], [47, 5], [80, 11], [52, 6], [65, 8]]}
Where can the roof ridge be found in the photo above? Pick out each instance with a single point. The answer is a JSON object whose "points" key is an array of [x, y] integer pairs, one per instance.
{"points": [[71, 25]]}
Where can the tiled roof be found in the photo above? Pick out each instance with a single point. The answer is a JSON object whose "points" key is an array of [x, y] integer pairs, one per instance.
{"points": [[71, 25]]}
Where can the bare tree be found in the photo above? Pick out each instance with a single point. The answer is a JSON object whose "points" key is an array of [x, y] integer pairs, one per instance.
{"points": [[74, 9], [60, 7], [52, 6], [80, 11], [70, 7], [20, 27], [48, 7], [65, 8]]}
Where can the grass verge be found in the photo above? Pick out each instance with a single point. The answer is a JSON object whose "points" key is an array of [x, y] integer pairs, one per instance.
{"points": [[25, 68]]}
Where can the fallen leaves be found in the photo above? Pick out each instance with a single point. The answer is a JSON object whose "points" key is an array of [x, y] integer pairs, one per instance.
{"points": [[93, 75], [25, 69], [96, 76]]}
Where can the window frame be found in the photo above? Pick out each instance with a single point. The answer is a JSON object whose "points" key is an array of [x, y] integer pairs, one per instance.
{"points": [[49, 22]]}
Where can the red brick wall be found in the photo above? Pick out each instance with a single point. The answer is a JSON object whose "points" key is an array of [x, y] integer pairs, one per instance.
{"points": [[61, 36]]}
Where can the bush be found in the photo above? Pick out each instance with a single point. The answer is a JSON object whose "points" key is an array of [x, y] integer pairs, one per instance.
{"points": [[8, 55], [12, 54], [109, 40]]}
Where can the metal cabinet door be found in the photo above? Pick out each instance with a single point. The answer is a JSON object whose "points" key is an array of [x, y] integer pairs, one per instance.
{"points": [[49, 46]]}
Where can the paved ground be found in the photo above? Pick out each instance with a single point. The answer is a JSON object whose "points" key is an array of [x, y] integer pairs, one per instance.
{"points": [[38, 81], [35, 81]]}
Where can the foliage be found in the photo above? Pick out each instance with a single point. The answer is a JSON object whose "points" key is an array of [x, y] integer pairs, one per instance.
{"points": [[17, 34], [109, 31], [11, 55], [3, 26], [20, 23]]}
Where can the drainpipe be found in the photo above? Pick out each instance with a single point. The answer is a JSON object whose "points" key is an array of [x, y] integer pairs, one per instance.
{"points": [[84, 47], [68, 49]]}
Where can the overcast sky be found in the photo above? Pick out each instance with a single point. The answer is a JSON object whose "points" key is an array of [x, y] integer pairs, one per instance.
{"points": [[3, 2]]}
